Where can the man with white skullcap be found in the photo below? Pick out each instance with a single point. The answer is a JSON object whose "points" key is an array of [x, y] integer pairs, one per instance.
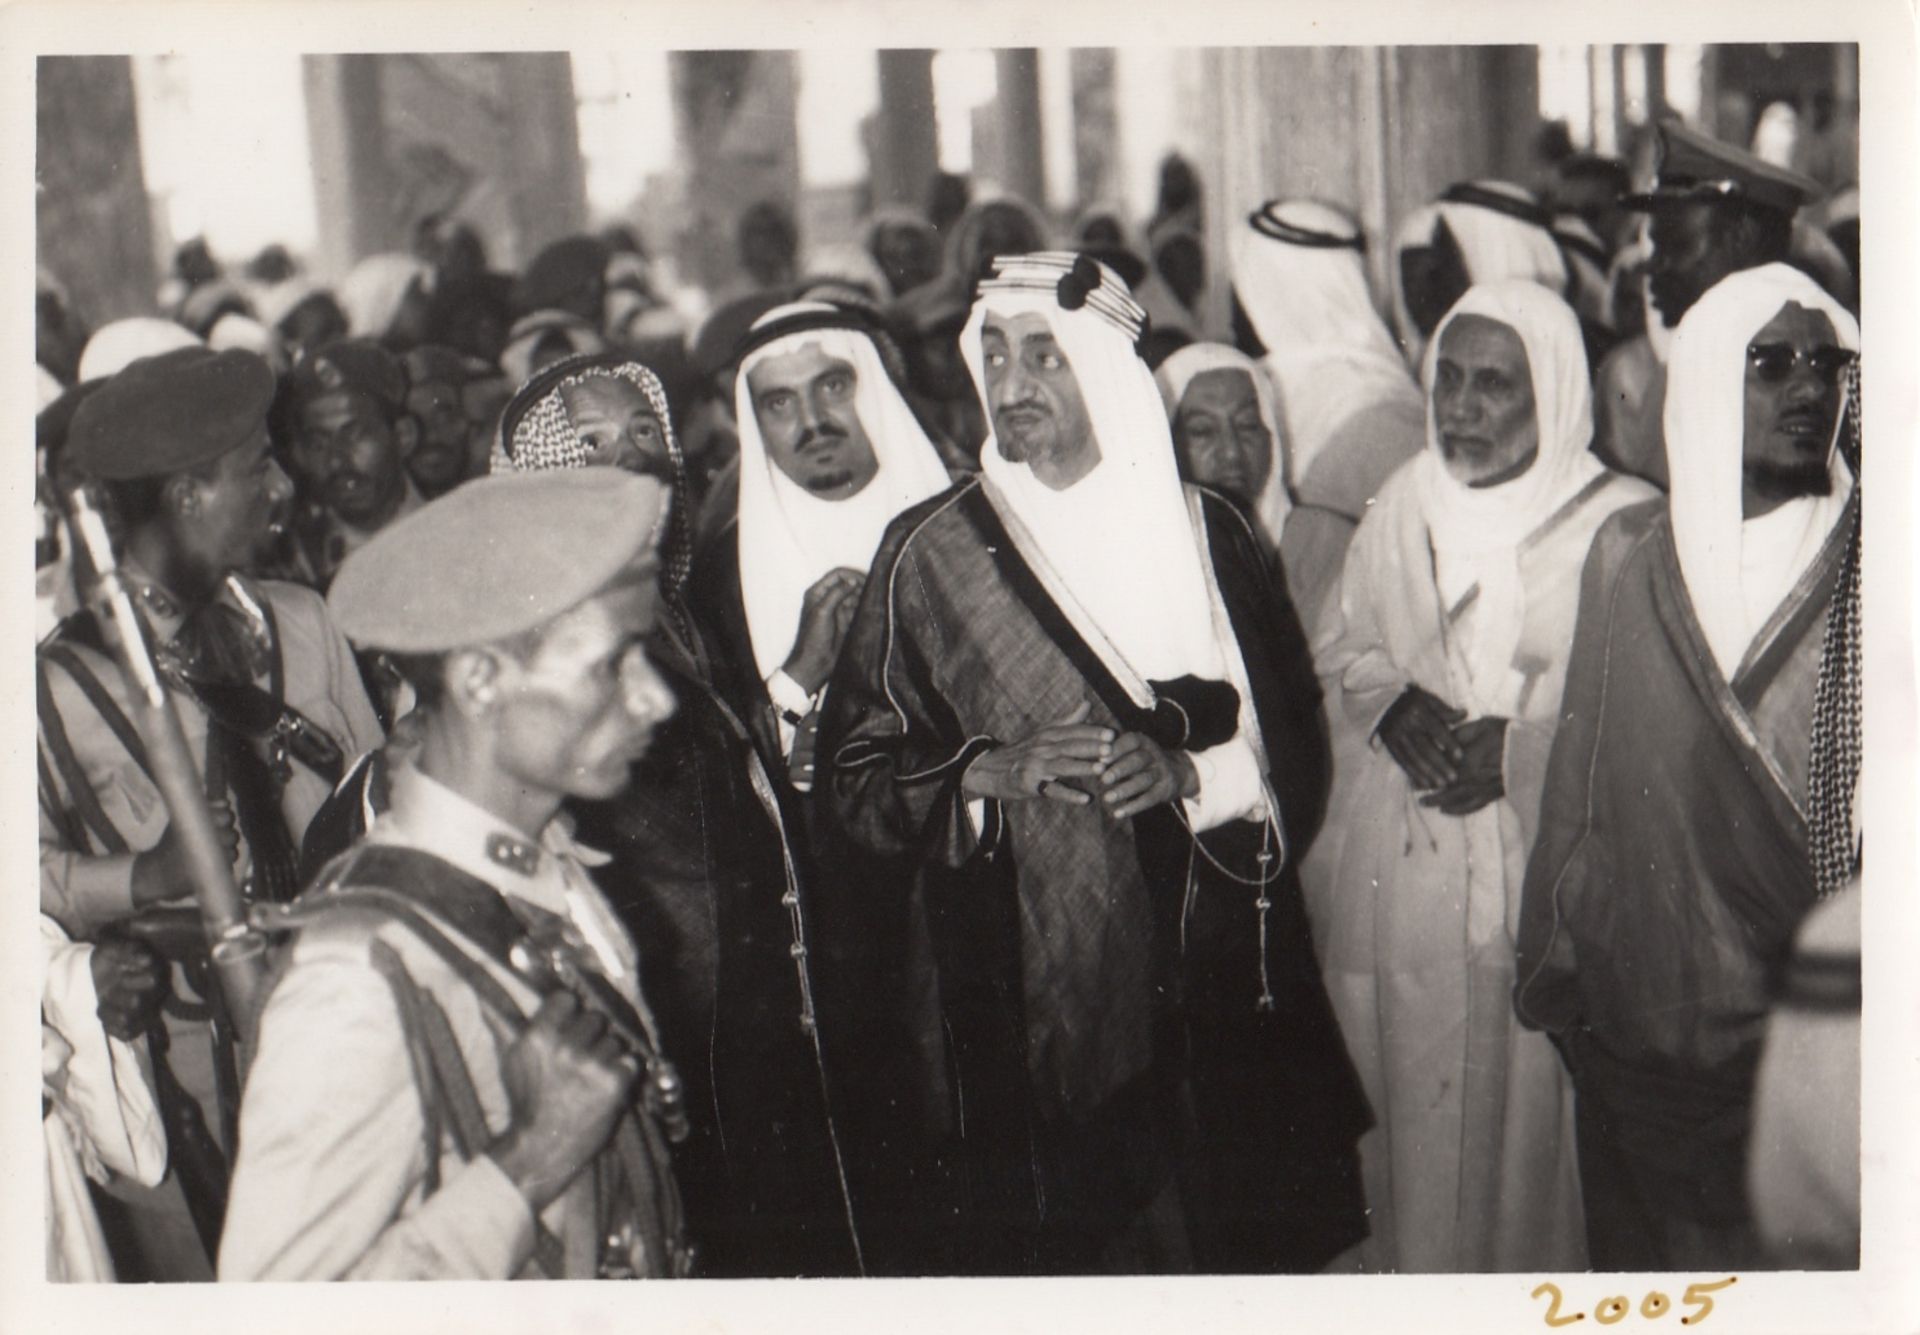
{"points": [[829, 454], [1699, 797], [1072, 693], [1443, 658]]}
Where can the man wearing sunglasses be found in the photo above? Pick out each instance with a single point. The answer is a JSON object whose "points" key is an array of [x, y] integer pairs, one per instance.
{"points": [[1713, 210], [1699, 798], [176, 447]]}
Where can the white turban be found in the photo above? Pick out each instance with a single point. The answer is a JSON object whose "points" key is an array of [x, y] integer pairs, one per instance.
{"points": [[117, 345], [789, 537], [1477, 531], [1328, 352], [375, 290], [1737, 571], [1272, 505]]}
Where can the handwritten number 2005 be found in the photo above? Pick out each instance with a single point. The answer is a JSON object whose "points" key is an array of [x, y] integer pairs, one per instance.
{"points": [[1612, 1310]]}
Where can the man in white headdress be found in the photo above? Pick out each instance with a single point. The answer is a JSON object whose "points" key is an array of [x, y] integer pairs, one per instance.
{"points": [[1072, 695], [1352, 412], [829, 454], [1699, 798], [1443, 660]]}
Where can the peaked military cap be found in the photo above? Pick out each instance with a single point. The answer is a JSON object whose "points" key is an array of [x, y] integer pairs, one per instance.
{"points": [[1695, 168], [495, 557]]}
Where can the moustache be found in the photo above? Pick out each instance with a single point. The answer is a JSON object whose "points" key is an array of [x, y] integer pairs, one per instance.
{"points": [[825, 432]]}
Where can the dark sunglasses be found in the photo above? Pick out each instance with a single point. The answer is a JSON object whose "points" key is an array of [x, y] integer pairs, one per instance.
{"points": [[1774, 362]]}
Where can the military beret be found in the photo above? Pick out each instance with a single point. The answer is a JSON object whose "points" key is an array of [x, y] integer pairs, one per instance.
{"points": [[167, 413], [495, 557], [349, 364], [1694, 168]]}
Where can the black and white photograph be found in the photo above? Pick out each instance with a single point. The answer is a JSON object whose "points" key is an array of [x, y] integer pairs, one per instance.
{"points": [[1020, 670]]}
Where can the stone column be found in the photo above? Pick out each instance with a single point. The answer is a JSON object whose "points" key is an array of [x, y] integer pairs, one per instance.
{"points": [[492, 139], [347, 141], [1096, 127], [1021, 166], [906, 147], [547, 187], [737, 145], [92, 226], [1375, 130]]}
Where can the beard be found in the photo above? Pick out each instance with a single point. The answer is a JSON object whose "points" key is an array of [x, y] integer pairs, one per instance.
{"points": [[826, 482], [1790, 481]]}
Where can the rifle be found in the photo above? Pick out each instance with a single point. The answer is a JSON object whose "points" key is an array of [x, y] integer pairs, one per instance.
{"points": [[237, 950]]}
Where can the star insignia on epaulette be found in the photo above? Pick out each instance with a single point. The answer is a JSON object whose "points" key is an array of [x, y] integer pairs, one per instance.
{"points": [[516, 855]]}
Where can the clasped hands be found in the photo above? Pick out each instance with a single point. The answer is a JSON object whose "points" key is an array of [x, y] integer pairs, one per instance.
{"points": [[1454, 760], [1072, 760]]}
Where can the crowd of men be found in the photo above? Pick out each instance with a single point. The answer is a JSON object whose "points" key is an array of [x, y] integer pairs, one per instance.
{"points": [[939, 768]]}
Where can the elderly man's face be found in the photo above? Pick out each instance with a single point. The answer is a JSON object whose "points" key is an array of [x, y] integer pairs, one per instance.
{"points": [[615, 420], [807, 405], [1689, 256], [581, 706], [1483, 406], [1222, 439], [353, 454], [1792, 402], [1039, 415]]}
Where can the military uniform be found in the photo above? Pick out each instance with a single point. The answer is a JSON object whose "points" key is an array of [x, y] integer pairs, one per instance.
{"points": [[380, 1087], [269, 705], [333, 1177]]}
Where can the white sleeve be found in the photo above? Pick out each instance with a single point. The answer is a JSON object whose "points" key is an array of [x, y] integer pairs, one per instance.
{"points": [[103, 1086], [1231, 786]]}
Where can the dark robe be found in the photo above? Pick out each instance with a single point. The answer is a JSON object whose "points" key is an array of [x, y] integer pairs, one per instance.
{"points": [[1670, 873], [876, 1117], [1099, 982]]}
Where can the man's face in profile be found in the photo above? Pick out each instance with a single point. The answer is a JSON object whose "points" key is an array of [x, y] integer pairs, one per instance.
{"points": [[1689, 256]]}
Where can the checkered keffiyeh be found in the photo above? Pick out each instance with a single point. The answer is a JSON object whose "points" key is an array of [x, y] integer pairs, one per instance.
{"points": [[539, 435], [1835, 748]]}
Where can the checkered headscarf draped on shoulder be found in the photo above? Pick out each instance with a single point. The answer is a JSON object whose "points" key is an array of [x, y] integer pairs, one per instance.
{"points": [[536, 434], [1836, 744]]}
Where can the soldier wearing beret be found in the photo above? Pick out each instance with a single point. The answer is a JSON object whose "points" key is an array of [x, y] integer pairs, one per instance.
{"points": [[1713, 210], [269, 703], [343, 419], [445, 1077]]}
